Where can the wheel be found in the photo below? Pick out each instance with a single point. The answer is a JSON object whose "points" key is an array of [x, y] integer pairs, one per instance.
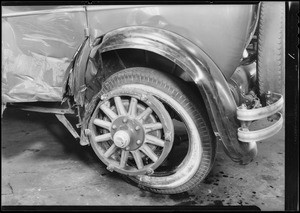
{"points": [[151, 128], [271, 48]]}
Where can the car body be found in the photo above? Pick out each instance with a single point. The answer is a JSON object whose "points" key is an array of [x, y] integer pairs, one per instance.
{"points": [[51, 53], [47, 38]]}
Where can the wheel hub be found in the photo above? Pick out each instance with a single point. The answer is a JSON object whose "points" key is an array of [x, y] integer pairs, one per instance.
{"points": [[122, 138], [127, 133], [131, 136]]}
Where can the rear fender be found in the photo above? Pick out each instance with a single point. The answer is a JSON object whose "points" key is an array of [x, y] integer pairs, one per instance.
{"points": [[202, 70]]}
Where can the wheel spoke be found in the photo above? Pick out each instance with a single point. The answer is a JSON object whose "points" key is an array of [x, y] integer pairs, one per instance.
{"points": [[110, 151], [124, 157], [152, 127], [111, 114], [120, 107], [138, 159], [144, 114], [132, 107], [102, 138], [154, 140], [148, 151], [102, 123]]}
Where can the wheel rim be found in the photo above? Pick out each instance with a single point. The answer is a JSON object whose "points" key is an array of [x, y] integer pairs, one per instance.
{"points": [[191, 162], [131, 132]]}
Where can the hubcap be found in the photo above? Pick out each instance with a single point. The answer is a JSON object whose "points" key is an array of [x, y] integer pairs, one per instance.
{"points": [[129, 135]]}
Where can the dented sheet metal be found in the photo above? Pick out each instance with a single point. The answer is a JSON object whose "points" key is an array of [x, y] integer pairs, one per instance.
{"points": [[37, 48]]}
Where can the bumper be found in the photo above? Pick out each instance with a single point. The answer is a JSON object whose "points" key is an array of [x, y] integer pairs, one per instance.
{"points": [[247, 116]]}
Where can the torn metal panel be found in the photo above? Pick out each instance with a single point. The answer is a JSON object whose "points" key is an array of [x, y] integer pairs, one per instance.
{"points": [[71, 74], [68, 125], [38, 44], [80, 66]]}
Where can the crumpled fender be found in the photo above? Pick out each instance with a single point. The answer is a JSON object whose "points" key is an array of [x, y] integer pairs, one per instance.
{"points": [[203, 71]]}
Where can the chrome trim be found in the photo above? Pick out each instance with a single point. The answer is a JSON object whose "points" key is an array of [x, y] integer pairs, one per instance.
{"points": [[29, 13], [259, 113], [258, 135], [113, 7], [247, 116]]}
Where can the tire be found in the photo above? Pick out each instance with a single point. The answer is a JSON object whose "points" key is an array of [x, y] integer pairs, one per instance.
{"points": [[271, 48], [189, 161]]}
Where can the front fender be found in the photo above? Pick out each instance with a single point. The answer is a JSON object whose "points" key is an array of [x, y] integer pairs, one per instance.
{"points": [[203, 71]]}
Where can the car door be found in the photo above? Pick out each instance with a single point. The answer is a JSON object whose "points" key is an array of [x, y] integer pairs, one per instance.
{"points": [[38, 44]]}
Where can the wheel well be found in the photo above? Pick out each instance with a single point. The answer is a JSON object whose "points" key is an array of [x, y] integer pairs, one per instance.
{"points": [[116, 60]]}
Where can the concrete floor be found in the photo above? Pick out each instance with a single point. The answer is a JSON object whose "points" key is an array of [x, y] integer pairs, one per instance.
{"points": [[42, 164]]}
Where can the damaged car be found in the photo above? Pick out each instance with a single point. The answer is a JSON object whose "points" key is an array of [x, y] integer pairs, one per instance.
{"points": [[155, 88]]}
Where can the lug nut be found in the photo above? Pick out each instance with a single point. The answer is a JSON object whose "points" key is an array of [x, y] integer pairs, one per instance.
{"points": [[150, 171], [168, 136], [127, 148], [114, 126], [104, 96], [110, 168], [137, 128], [125, 120], [138, 142]]}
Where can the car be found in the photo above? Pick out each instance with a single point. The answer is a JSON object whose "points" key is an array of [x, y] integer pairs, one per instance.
{"points": [[154, 87]]}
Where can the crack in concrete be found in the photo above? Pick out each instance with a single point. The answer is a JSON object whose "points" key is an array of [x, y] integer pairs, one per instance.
{"points": [[64, 188], [17, 173], [11, 188]]}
